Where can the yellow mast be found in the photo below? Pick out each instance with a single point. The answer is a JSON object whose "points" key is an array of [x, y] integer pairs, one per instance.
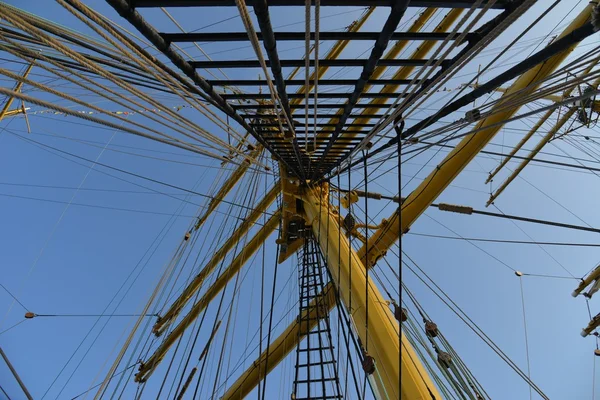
{"points": [[229, 184], [378, 330], [147, 367], [418, 201], [288, 340]]}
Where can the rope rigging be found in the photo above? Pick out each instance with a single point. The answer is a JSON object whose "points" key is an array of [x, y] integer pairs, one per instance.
{"points": [[217, 306]]}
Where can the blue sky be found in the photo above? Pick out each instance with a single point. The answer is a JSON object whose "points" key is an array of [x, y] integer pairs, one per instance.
{"points": [[72, 260]]}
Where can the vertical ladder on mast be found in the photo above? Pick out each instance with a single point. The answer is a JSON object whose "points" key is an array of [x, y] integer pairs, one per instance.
{"points": [[316, 369]]}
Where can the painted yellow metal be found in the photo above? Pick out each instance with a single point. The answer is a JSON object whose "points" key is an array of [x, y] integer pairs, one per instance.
{"points": [[278, 350], [289, 242], [384, 342], [12, 113], [231, 181], [561, 122], [455, 161], [10, 100], [380, 241], [519, 145], [591, 326], [217, 257], [238, 262], [382, 338], [537, 126], [418, 201], [403, 72], [593, 276], [549, 135]]}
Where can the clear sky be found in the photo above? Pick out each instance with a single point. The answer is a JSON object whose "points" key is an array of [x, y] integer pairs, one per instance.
{"points": [[75, 237]]}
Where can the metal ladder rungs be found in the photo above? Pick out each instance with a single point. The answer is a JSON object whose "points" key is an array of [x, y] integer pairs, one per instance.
{"points": [[319, 380], [317, 349], [314, 364]]}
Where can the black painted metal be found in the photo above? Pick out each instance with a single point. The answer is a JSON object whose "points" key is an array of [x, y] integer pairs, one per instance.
{"points": [[230, 96], [294, 106], [299, 36], [126, 11], [396, 13], [500, 4], [300, 63], [301, 116], [300, 82], [474, 40], [316, 374], [552, 49], [320, 125], [261, 10]]}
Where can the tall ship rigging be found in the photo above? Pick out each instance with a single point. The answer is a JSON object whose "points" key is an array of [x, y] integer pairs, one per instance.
{"points": [[286, 199]]}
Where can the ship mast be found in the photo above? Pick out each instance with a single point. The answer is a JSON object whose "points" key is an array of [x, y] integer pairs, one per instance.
{"points": [[308, 156]]}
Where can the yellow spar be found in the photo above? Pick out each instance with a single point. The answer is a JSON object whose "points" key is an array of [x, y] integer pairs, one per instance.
{"points": [[238, 262], [217, 257], [455, 161]]}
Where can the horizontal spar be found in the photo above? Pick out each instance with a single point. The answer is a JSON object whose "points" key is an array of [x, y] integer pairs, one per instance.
{"points": [[293, 107], [499, 4], [301, 82], [300, 36], [300, 63], [232, 96]]}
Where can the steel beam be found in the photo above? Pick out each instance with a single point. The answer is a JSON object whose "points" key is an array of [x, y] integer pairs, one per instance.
{"points": [[557, 50], [500, 4], [396, 13], [311, 95], [318, 125], [125, 10], [332, 54], [354, 62], [261, 10], [301, 116], [418, 24], [479, 35], [300, 82], [292, 106], [297, 36], [404, 72], [147, 367]]}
